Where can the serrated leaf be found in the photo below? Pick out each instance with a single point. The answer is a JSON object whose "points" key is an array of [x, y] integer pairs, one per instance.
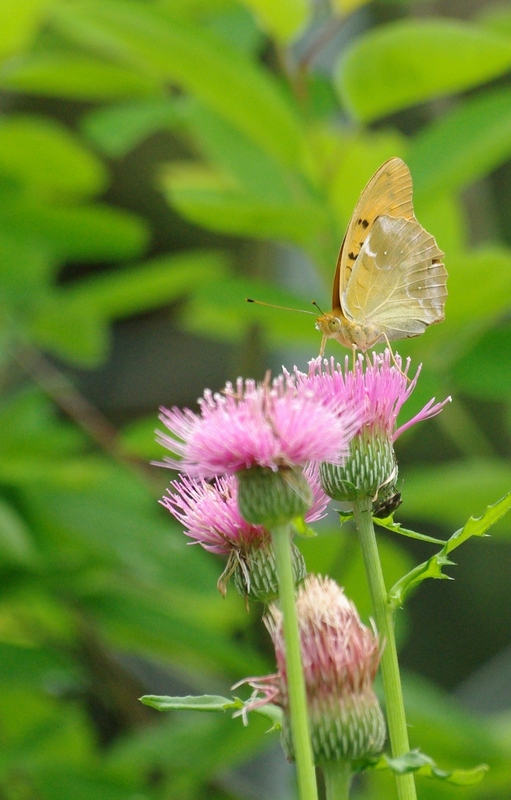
{"points": [[478, 526], [432, 568], [421, 764], [395, 527], [404, 63], [205, 702]]}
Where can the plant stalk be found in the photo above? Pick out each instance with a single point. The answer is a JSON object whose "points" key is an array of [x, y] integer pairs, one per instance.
{"points": [[306, 775], [337, 775], [396, 719]]}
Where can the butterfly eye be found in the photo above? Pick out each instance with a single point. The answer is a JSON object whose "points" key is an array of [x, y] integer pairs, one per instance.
{"points": [[334, 325]]}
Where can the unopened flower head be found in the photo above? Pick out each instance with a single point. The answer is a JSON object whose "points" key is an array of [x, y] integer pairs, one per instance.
{"points": [[253, 430], [379, 389], [340, 658], [210, 515]]}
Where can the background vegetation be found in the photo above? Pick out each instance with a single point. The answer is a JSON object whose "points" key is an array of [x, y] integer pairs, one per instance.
{"points": [[161, 160]]}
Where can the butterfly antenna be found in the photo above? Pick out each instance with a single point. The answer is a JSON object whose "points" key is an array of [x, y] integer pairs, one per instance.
{"points": [[316, 306], [281, 308]]}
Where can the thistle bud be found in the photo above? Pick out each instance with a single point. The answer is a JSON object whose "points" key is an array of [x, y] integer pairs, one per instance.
{"points": [[340, 659], [269, 498], [370, 465]]}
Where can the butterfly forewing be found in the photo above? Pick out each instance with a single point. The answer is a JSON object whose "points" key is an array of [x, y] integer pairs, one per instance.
{"points": [[398, 283], [388, 192]]}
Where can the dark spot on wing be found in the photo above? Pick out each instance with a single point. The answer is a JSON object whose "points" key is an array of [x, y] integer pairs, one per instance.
{"points": [[364, 223], [435, 261], [352, 256]]}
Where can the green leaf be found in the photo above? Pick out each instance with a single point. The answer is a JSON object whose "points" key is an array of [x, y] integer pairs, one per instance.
{"points": [[118, 129], [141, 287], [208, 702], [407, 62], [47, 158], [443, 158], [70, 332], [86, 232], [395, 527], [477, 526], [283, 19], [432, 568], [205, 702], [19, 22], [16, 545], [479, 301], [241, 163], [421, 764], [75, 77], [206, 198], [195, 59]]}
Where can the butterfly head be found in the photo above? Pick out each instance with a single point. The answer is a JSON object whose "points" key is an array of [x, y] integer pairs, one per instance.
{"points": [[335, 325], [330, 326]]}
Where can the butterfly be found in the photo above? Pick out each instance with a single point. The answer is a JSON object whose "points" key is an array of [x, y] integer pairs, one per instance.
{"points": [[390, 281]]}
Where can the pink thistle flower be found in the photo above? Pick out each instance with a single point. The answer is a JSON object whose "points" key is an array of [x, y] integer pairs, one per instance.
{"points": [[340, 659], [379, 389], [271, 426], [210, 515]]}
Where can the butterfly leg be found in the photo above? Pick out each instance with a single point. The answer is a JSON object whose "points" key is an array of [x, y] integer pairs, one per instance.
{"points": [[394, 359]]}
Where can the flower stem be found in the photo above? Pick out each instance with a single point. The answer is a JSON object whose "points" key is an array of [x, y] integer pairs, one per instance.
{"points": [[337, 775], [306, 775], [385, 623]]}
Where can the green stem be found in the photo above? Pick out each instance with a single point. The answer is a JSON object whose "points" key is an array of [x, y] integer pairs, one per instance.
{"points": [[281, 537], [394, 704], [337, 775]]}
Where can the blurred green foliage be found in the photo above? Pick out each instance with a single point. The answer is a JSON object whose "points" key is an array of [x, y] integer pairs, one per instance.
{"points": [[275, 114]]}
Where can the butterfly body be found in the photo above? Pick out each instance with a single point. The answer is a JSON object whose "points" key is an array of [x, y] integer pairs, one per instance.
{"points": [[390, 282]]}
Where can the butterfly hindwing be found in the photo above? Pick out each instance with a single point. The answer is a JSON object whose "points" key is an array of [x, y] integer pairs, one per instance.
{"points": [[398, 282]]}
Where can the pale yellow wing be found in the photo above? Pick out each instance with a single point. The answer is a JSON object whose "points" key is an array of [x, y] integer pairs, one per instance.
{"points": [[398, 283], [388, 192]]}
